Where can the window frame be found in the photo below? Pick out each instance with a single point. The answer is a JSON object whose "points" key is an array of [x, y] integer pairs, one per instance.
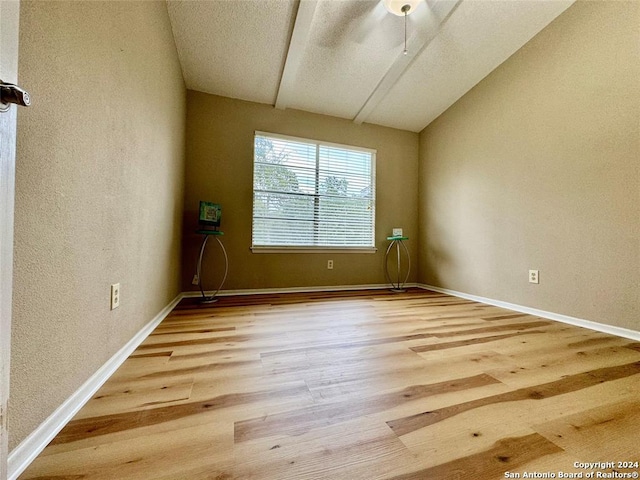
{"points": [[314, 248]]}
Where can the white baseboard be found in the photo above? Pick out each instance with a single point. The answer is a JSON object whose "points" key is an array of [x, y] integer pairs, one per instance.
{"points": [[598, 327], [21, 456], [327, 288]]}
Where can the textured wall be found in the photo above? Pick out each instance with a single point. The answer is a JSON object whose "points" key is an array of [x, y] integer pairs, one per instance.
{"points": [[537, 167], [100, 170], [220, 169]]}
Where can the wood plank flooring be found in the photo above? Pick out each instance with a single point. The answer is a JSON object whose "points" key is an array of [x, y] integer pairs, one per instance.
{"points": [[356, 385]]}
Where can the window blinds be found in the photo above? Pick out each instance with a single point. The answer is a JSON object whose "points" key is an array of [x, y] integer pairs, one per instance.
{"points": [[312, 194]]}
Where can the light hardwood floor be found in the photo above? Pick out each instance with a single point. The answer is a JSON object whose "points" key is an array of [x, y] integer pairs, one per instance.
{"points": [[356, 385]]}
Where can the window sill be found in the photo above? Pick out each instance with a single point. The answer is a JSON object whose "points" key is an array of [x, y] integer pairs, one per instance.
{"points": [[314, 249]]}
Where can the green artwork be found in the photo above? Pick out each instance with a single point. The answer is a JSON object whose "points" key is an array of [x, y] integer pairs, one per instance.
{"points": [[210, 214]]}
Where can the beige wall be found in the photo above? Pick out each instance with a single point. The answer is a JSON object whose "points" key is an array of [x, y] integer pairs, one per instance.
{"points": [[220, 169], [100, 169], [537, 167]]}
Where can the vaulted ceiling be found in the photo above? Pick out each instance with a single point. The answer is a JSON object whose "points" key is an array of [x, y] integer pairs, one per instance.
{"points": [[345, 57]]}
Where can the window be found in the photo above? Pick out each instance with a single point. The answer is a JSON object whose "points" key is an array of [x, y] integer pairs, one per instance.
{"points": [[312, 195]]}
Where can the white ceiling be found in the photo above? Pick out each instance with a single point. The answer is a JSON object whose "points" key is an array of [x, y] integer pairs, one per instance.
{"points": [[344, 57]]}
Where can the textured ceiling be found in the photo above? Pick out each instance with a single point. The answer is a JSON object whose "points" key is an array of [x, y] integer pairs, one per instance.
{"points": [[344, 57]]}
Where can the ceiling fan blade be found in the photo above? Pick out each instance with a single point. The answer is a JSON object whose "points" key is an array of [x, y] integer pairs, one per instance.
{"points": [[342, 20], [362, 21], [389, 28], [374, 19]]}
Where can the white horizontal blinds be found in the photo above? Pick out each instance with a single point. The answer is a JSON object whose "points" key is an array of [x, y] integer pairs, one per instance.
{"points": [[308, 194], [283, 192], [345, 197]]}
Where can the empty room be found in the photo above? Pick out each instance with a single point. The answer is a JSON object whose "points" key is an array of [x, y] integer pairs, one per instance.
{"points": [[319, 239]]}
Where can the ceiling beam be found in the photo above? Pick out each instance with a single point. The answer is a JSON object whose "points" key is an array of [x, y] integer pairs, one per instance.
{"points": [[297, 47], [439, 12]]}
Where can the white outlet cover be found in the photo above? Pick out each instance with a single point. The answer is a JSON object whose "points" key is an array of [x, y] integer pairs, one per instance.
{"points": [[115, 295], [534, 276]]}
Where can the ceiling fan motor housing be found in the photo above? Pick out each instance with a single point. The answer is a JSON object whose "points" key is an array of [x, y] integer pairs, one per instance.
{"points": [[401, 7]]}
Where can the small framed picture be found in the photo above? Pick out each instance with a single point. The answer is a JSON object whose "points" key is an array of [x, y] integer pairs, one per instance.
{"points": [[210, 214], [397, 232]]}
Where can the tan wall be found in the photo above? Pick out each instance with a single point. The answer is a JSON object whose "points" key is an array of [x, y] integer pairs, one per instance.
{"points": [[220, 169], [537, 167], [100, 169]]}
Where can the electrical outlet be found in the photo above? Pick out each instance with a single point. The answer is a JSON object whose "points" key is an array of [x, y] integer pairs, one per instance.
{"points": [[330, 264], [534, 276], [115, 296], [195, 280]]}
